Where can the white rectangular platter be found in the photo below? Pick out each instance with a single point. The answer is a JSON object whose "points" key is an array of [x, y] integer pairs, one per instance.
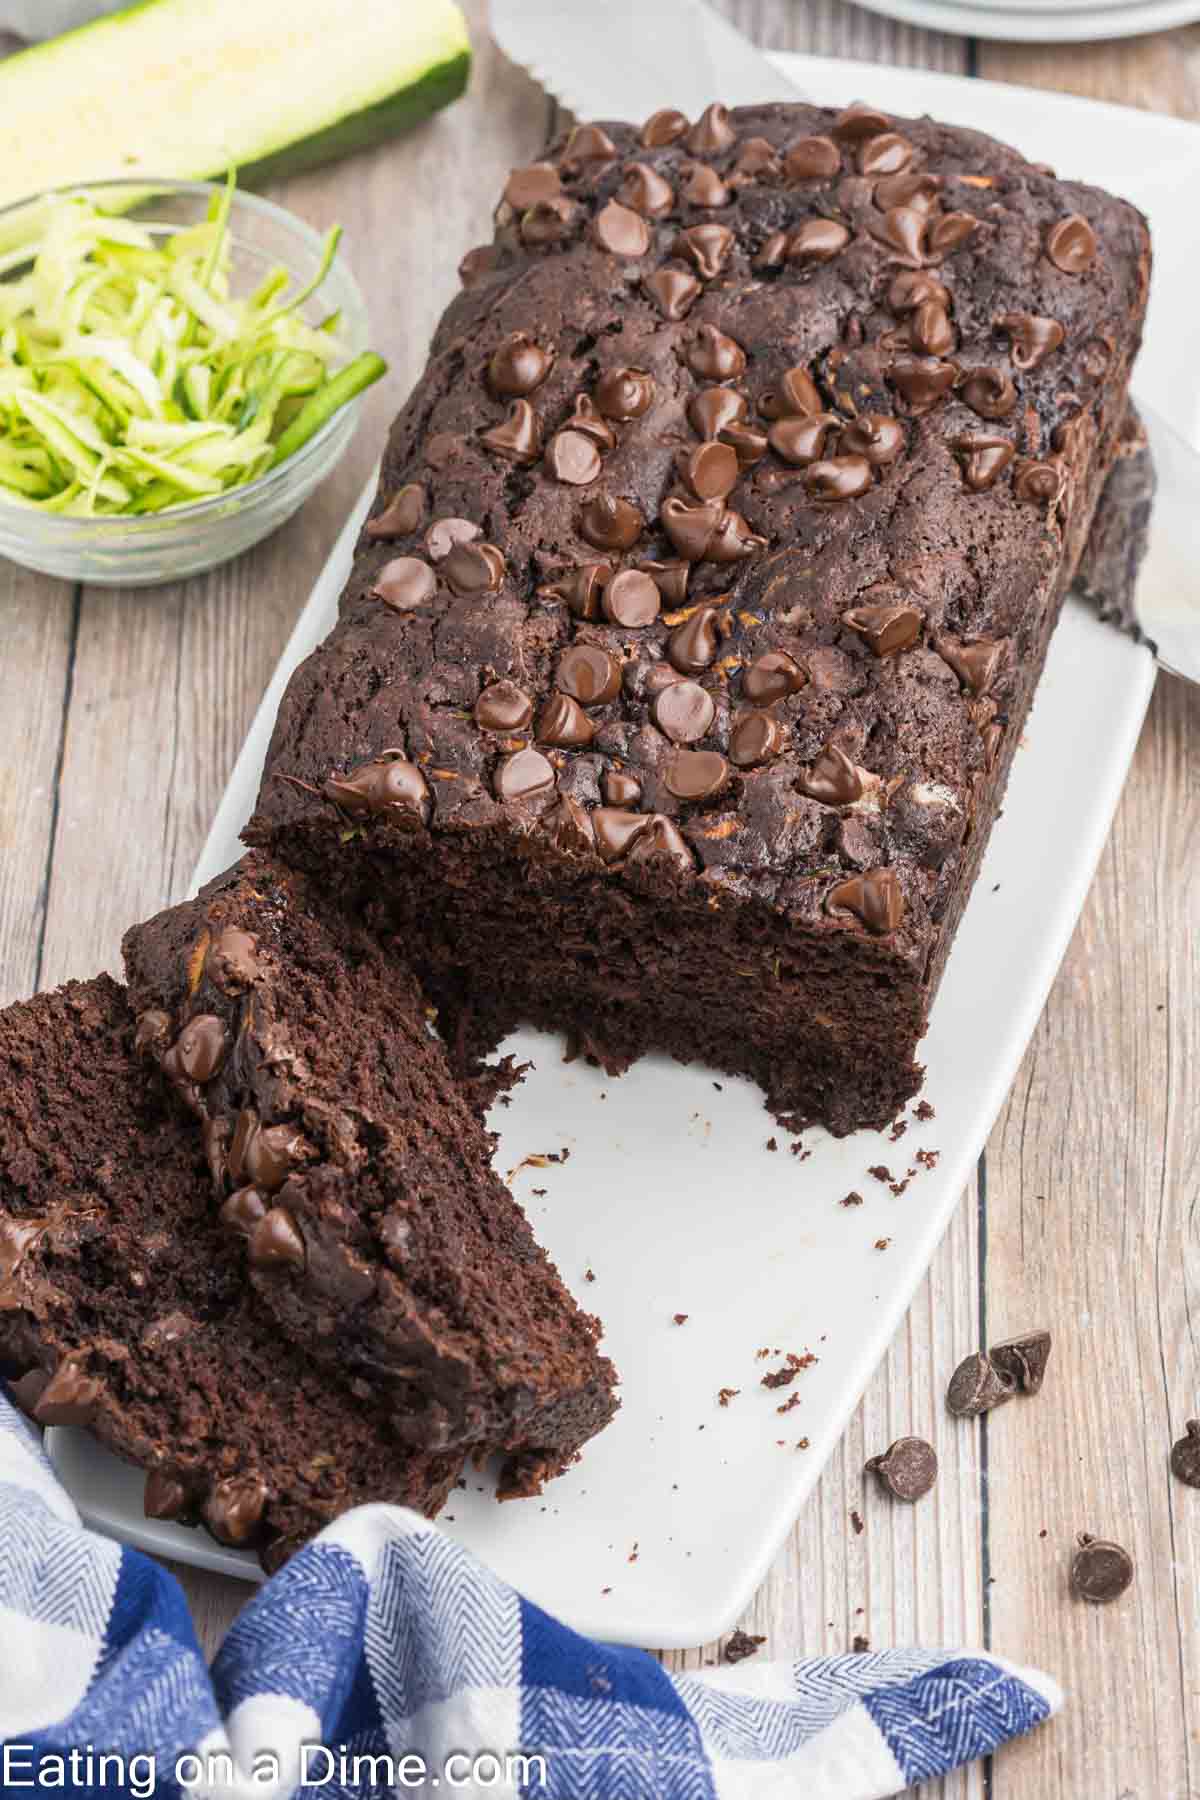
{"points": [[670, 1197]]}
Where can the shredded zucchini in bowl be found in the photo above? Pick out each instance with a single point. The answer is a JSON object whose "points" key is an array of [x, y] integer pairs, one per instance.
{"points": [[132, 380]]}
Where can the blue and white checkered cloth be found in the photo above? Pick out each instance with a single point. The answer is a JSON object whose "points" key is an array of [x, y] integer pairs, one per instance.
{"points": [[384, 1660]]}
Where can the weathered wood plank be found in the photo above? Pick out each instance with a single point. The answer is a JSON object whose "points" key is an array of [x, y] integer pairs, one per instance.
{"points": [[1160, 72]]}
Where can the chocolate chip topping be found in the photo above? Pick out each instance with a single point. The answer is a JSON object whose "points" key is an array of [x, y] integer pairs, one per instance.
{"points": [[275, 1242], [714, 356], [581, 588], [796, 393], [692, 646], [812, 159], [564, 723], [621, 231], [664, 127], [802, 440], [479, 261], [616, 830], [691, 527], [756, 158], [977, 1385], [587, 143], [772, 676], [922, 380], [573, 458], [684, 712], [645, 191], [817, 241], [858, 122], [704, 187], [913, 288], [984, 458], [201, 1047], [401, 513], [624, 394], [713, 408], [711, 470], [707, 247], [610, 523], [673, 291], [1185, 1455], [404, 584], [391, 787], [838, 478], [588, 419], [473, 568], [696, 774], [234, 1509], [589, 674], [875, 436], [670, 578], [876, 897], [989, 392], [1038, 482], [917, 188], [518, 436], [886, 628], [631, 599], [929, 329], [755, 738], [975, 664], [443, 534], [503, 707], [518, 366], [661, 842], [1101, 1571], [907, 1469], [886, 154], [164, 1495], [1031, 337], [747, 444], [523, 776], [951, 231], [1071, 244], [232, 962], [1024, 1359], [243, 1209], [772, 252], [537, 181], [832, 779], [712, 132], [903, 231], [620, 788]]}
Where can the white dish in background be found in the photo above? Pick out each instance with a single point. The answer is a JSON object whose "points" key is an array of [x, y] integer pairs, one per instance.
{"points": [[1042, 21], [670, 1195]]}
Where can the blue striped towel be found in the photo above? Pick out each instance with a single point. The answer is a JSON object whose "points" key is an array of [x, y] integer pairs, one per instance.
{"points": [[384, 1660]]}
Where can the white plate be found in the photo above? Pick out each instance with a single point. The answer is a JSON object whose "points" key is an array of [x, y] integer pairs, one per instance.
{"points": [[1043, 22], [670, 1195]]}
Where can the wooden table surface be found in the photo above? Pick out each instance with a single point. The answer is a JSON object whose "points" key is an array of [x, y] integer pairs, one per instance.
{"points": [[122, 714]]}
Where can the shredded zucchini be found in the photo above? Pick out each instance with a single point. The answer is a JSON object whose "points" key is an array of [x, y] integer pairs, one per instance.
{"points": [[132, 380]]}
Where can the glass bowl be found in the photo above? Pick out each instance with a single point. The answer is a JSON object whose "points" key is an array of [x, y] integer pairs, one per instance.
{"points": [[156, 547]]}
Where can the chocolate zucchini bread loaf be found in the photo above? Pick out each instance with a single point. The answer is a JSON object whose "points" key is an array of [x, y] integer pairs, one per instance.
{"points": [[124, 1305], [714, 564], [348, 1164]]}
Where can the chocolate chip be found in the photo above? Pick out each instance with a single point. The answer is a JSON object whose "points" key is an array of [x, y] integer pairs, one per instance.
{"points": [[276, 1243], [930, 330], [713, 408], [975, 664], [748, 445], [518, 366], [164, 1495], [838, 478], [616, 830], [443, 534], [977, 1385], [755, 738], [621, 231], [989, 392], [243, 1210], [404, 584], [796, 393], [663, 127], [631, 599], [620, 788], [388, 787], [707, 247], [573, 458], [234, 1509], [812, 159], [587, 143], [802, 440], [548, 221], [589, 674], [917, 188], [1031, 337], [536, 181], [913, 288], [1024, 1359], [267, 1154], [401, 513], [503, 707], [712, 131], [984, 458], [152, 1033], [581, 588], [876, 897], [714, 356], [684, 712], [704, 187], [563, 722], [610, 523], [756, 160], [673, 291], [903, 230], [711, 470], [474, 568], [817, 241], [232, 961], [1038, 482], [858, 122], [645, 191], [569, 827], [875, 436], [886, 154], [886, 629], [71, 1395], [661, 842], [832, 779], [1071, 245], [772, 252], [1100, 1570], [907, 1469], [771, 676], [477, 263], [670, 578], [696, 774], [588, 419], [692, 647], [951, 231], [922, 380], [624, 394], [201, 1047], [524, 776], [691, 527], [1185, 1455], [733, 539], [518, 436]]}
